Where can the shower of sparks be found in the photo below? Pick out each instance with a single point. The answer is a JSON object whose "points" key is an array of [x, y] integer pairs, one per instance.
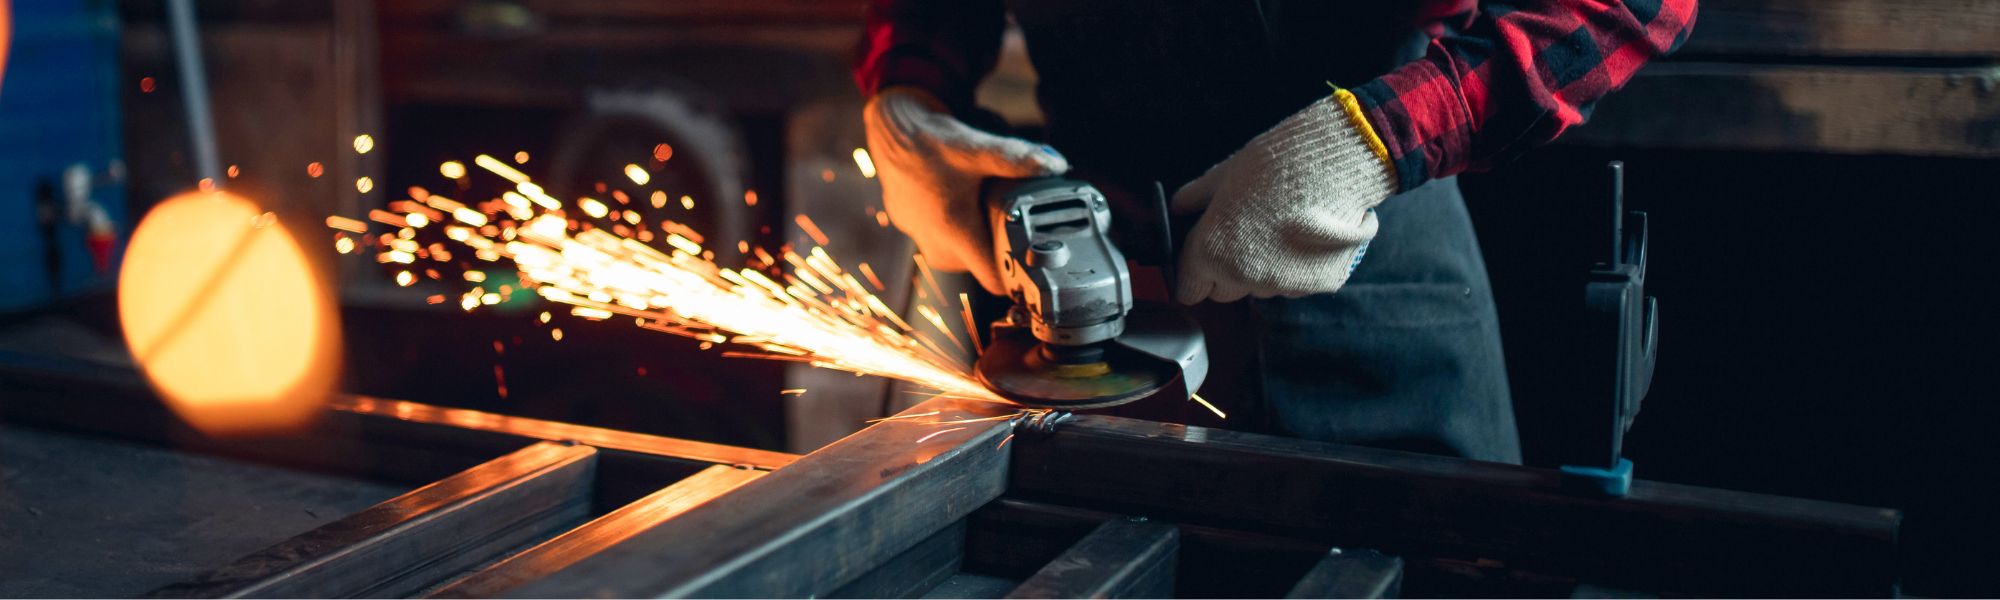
{"points": [[795, 304]]}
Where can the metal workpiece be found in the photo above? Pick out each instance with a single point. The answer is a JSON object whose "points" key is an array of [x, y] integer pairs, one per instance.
{"points": [[1041, 422], [1656, 538], [1123, 558], [1351, 573], [416, 540], [621, 524], [815, 525]]}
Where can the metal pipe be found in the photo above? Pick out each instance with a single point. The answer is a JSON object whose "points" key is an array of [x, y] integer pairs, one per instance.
{"points": [[194, 90]]}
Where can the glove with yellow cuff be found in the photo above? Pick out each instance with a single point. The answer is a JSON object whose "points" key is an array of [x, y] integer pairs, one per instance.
{"points": [[1291, 212]]}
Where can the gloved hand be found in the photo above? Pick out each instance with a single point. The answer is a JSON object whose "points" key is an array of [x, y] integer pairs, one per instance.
{"points": [[1288, 214], [931, 166]]}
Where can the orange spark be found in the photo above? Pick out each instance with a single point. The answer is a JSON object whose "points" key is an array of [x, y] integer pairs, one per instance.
{"points": [[811, 229]]}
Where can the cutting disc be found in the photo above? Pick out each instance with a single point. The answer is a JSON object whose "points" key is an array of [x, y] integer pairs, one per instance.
{"points": [[1015, 367]]}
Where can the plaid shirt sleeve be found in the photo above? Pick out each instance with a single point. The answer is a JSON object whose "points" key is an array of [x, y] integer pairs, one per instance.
{"points": [[940, 46], [1510, 75]]}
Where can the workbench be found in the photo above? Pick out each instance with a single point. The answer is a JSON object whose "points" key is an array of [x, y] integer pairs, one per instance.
{"points": [[1098, 506]]}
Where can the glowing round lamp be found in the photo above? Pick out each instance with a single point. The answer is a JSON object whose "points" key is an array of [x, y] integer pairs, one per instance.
{"points": [[226, 317]]}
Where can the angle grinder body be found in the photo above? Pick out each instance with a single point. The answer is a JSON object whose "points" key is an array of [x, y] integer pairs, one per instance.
{"points": [[1075, 338]]}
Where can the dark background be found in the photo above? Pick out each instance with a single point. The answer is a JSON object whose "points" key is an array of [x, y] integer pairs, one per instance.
{"points": [[1824, 299]]}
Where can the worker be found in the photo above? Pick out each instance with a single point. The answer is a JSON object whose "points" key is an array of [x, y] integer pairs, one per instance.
{"points": [[1296, 135]]}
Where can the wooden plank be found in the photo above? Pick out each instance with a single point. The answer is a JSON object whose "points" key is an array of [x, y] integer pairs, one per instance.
{"points": [[1351, 574], [1922, 28], [1130, 557], [410, 542], [814, 525], [610, 529], [1834, 109], [1662, 537], [914, 572]]}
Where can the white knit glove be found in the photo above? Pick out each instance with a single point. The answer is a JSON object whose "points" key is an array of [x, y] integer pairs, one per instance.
{"points": [[931, 166], [1287, 215]]}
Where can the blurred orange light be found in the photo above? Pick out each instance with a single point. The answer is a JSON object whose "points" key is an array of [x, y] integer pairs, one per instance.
{"points": [[226, 316]]}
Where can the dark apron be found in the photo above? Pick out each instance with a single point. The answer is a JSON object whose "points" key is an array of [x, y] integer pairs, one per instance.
{"points": [[1407, 355]]}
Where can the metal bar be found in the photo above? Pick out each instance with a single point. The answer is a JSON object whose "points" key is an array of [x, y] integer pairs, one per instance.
{"points": [[410, 542], [525, 429], [915, 572], [1662, 537], [1014, 538], [605, 531], [811, 527], [1123, 558], [1351, 574], [372, 437]]}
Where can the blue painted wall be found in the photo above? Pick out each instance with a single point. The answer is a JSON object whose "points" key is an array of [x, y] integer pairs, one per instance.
{"points": [[58, 107]]}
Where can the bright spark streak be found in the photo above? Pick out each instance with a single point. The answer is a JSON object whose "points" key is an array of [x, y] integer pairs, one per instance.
{"points": [[1210, 407], [346, 224], [814, 312], [938, 433], [363, 143], [452, 169], [807, 225], [638, 174], [500, 168], [863, 162]]}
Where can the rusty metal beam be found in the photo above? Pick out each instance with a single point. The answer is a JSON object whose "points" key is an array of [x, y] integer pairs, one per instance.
{"points": [[603, 532], [413, 541], [815, 525], [1665, 537], [1123, 558]]}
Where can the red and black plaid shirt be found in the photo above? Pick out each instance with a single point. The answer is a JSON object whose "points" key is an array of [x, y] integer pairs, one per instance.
{"points": [[1499, 76]]}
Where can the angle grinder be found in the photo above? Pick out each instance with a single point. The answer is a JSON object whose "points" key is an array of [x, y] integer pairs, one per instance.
{"points": [[1074, 338]]}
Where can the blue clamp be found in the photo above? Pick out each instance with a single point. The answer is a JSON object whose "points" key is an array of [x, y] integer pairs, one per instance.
{"points": [[1614, 482]]}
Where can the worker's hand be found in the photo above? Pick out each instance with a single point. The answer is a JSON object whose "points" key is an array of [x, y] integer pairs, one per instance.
{"points": [[1287, 215], [931, 166]]}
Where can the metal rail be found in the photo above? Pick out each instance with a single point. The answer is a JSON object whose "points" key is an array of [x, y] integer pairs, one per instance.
{"points": [[413, 541], [1662, 536], [604, 532], [815, 525], [1123, 558]]}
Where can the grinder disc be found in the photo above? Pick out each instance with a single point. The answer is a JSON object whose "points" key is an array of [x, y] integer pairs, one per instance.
{"points": [[1014, 366]]}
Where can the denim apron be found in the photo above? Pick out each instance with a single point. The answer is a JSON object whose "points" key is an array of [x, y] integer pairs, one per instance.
{"points": [[1407, 355]]}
